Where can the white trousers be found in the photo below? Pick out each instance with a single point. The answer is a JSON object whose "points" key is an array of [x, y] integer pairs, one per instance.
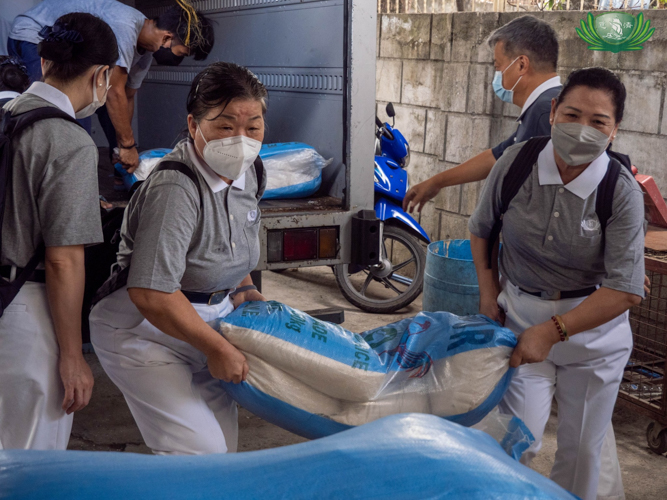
{"points": [[31, 391], [178, 406], [584, 376]]}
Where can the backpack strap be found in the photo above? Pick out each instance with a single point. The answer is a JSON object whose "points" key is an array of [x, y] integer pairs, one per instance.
{"points": [[604, 199], [12, 125], [185, 170], [516, 176], [624, 160], [259, 172]]}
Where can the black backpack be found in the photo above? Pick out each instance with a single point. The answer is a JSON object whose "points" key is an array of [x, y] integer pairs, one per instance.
{"points": [[12, 126], [521, 168]]}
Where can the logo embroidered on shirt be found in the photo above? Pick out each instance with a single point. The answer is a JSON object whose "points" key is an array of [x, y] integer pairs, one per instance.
{"points": [[252, 215], [591, 225]]}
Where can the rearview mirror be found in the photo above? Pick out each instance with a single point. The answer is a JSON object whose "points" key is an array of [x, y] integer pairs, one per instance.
{"points": [[390, 110]]}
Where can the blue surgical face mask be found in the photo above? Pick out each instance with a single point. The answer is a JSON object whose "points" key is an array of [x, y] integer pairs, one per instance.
{"points": [[502, 93]]}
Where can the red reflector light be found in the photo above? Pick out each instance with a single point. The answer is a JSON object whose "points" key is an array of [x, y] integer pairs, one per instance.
{"points": [[300, 244]]}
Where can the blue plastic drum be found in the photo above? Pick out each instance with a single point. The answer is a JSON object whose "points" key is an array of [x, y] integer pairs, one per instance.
{"points": [[450, 280]]}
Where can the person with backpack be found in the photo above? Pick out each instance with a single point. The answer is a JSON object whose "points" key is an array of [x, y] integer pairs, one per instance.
{"points": [[50, 210], [525, 55], [14, 79], [571, 266], [189, 240]]}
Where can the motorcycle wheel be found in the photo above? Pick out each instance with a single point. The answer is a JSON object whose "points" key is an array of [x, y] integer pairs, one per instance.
{"points": [[391, 285]]}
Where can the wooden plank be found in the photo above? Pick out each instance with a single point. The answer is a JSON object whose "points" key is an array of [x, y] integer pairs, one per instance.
{"points": [[656, 239]]}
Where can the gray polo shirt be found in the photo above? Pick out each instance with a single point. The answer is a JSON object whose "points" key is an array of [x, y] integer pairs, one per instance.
{"points": [[53, 196], [174, 244], [552, 239]]}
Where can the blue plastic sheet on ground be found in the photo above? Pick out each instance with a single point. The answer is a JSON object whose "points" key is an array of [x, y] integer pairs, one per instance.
{"points": [[399, 457], [316, 378]]}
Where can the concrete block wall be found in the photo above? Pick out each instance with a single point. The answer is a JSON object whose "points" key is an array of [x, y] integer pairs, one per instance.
{"points": [[437, 70]]}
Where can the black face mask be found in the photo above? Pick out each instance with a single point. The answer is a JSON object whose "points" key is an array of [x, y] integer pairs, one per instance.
{"points": [[165, 57]]}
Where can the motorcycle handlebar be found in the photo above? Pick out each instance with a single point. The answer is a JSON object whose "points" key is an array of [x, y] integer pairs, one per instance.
{"points": [[383, 130]]}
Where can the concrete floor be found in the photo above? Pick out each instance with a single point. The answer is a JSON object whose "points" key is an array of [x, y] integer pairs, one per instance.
{"points": [[106, 424]]}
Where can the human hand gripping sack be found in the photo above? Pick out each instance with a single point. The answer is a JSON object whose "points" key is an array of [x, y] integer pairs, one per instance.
{"points": [[129, 158], [534, 344], [77, 380], [249, 296], [227, 363]]}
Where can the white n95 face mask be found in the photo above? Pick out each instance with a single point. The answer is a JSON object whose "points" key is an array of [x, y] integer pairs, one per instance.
{"points": [[97, 103], [577, 144], [232, 156]]}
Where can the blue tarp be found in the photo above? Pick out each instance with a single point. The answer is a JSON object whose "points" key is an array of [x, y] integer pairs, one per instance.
{"points": [[409, 456]]}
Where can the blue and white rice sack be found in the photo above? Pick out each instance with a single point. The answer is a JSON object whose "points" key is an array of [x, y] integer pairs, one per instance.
{"points": [[293, 170], [316, 378]]}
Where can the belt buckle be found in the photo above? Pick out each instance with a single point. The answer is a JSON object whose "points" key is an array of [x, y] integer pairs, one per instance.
{"points": [[550, 295], [217, 297]]}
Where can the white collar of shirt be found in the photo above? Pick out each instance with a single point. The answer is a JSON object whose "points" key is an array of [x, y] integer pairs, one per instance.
{"points": [[52, 95], [549, 84], [8, 94], [212, 179], [584, 185]]}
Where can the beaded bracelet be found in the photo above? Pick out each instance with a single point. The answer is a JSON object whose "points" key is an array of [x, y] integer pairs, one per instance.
{"points": [[560, 326]]}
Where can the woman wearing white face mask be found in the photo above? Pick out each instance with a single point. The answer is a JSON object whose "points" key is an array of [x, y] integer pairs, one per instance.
{"points": [[571, 265], [189, 242], [51, 211]]}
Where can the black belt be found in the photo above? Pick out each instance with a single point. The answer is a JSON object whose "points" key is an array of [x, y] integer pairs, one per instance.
{"points": [[572, 294], [206, 298], [39, 276]]}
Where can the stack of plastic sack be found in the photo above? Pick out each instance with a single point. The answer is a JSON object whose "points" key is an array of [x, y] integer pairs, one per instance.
{"points": [[147, 162], [402, 457], [293, 170], [315, 378]]}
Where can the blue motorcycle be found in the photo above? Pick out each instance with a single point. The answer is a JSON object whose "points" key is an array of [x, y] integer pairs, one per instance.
{"points": [[399, 277]]}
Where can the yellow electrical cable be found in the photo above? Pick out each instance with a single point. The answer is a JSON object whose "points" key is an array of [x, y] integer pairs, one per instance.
{"points": [[193, 24]]}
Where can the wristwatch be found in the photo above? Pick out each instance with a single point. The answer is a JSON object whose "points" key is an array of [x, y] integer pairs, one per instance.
{"points": [[135, 145]]}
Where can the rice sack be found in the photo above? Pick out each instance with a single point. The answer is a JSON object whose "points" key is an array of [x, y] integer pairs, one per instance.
{"points": [[315, 378]]}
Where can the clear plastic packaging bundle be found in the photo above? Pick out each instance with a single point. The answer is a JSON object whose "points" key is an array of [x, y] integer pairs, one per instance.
{"points": [[293, 170]]}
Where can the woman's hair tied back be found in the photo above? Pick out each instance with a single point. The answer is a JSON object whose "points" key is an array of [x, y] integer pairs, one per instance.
{"points": [[76, 42]]}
